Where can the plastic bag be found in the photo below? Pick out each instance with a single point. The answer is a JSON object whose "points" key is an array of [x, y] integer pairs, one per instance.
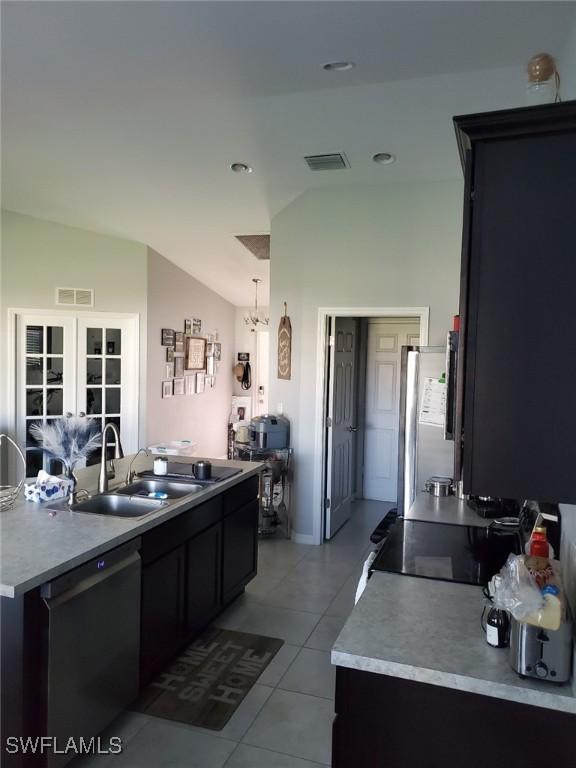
{"points": [[515, 590]]}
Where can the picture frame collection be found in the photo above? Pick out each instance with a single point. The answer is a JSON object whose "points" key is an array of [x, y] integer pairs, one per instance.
{"points": [[192, 360]]}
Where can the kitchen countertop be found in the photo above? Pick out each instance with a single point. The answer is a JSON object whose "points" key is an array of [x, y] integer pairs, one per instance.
{"points": [[36, 546], [429, 631], [448, 509]]}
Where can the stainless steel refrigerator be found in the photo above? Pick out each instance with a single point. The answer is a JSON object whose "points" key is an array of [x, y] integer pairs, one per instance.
{"points": [[425, 444]]}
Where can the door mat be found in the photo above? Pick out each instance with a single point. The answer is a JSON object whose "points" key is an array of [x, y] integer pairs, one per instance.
{"points": [[204, 685]]}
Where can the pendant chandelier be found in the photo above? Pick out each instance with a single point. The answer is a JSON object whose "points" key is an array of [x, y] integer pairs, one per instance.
{"points": [[255, 317]]}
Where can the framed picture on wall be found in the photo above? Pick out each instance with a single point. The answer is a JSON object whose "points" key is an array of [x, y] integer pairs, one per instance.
{"points": [[178, 386], [167, 337], [200, 382], [178, 367], [169, 354], [187, 327], [195, 353], [190, 384], [167, 388], [210, 366], [168, 370], [217, 351], [196, 325], [179, 343]]}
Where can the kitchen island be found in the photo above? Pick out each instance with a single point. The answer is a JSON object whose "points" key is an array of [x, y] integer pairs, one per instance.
{"points": [[93, 606], [417, 684]]}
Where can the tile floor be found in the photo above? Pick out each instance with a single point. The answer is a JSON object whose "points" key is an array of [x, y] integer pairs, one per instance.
{"points": [[302, 594]]}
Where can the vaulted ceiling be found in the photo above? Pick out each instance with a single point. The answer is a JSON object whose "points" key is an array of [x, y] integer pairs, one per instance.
{"points": [[124, 117]]}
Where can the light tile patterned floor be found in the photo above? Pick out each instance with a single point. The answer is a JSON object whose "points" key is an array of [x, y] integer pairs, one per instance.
{"points": [[303, 595]]}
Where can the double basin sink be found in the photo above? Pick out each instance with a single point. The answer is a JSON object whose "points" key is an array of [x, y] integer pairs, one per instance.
{"points": [[134, 500]]}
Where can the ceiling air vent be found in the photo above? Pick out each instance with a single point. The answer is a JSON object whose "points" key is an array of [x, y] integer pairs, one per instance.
{"points": [[259, 245], [75, 297], [333, 162]]}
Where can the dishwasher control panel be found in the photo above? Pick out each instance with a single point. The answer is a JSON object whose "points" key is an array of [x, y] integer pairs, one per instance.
{"points": [[92, 568]]}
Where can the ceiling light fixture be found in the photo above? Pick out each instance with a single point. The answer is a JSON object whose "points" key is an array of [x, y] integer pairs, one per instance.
{"points": [[384, 158], [240, 168], [254, 317], [338, 66]]}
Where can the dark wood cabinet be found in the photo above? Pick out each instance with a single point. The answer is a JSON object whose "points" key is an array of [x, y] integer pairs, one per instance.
{"points": [[517, 367], [192, 566], [386, 721], [163, 614], [240, 549], [204, 578]]}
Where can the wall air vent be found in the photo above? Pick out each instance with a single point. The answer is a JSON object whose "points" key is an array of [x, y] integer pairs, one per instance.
{"points": [[75, 297], [334, 162], [259, 245]]}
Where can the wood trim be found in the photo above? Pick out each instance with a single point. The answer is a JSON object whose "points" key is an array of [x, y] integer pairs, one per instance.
{"points": [[463, 309], [510, 123], [423, 313]]}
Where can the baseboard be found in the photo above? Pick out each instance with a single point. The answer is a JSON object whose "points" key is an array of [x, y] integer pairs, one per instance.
{"points": [[303, 538]]}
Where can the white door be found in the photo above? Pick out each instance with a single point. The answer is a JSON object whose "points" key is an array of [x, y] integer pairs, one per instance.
{"points": [[385, 342], [340, 428], [45, 380], [108, 376], [72, 364]]}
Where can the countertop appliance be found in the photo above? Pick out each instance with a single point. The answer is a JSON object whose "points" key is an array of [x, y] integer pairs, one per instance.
{"points": [[541, 653], [269, 432], [461, 553], [92, 645], [425, 445]]}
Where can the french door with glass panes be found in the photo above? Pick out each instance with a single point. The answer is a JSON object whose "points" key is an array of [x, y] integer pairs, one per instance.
{"points": [[75, 364], [108, 377]]}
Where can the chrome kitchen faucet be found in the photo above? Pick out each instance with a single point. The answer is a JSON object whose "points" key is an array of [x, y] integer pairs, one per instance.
{"points": [[105, 473]]}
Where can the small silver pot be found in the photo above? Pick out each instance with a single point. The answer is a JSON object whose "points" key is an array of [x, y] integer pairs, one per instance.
{"points": [[439, 486]]}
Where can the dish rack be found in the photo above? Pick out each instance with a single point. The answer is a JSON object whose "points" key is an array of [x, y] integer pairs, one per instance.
{"points": [[9, 493]]}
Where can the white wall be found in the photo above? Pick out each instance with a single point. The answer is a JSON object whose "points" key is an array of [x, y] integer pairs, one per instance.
{"points": [[246, 341], [173, 296], [385, 246], [567, 68], [38, 256]]}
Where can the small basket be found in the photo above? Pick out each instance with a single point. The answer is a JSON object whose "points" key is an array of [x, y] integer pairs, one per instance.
{"points": [[9, 493]]}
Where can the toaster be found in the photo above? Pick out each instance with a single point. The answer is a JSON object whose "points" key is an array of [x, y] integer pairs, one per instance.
{"points": [[541, 653]]}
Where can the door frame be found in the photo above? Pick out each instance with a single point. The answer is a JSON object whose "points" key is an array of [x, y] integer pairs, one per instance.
{"points": [[322, 341], [9, 405]]}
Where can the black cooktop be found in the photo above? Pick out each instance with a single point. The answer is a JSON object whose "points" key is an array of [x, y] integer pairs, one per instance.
{"points": [[466, 554]]}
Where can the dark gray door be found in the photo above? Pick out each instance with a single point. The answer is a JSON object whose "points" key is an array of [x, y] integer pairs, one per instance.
{"points": [[341, 440]]}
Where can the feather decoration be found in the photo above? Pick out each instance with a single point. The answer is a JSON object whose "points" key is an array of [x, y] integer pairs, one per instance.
{"points": [[69, 439]]}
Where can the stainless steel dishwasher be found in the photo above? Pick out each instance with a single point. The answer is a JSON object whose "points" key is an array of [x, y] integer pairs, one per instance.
{"points": [[93, 645]]}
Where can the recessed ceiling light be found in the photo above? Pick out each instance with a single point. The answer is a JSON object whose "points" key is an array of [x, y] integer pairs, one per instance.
{"points": [[240, 168], [384, 158], [338, 66]]}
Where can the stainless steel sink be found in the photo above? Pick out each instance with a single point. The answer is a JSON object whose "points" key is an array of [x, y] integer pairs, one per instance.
{"points": [[173, 490], [114, 505]]}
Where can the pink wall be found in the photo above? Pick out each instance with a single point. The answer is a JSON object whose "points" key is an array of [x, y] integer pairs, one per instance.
{"points": [[174, 295]]}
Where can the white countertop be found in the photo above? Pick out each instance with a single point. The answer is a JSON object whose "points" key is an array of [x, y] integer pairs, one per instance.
{"points": [[429, 631], [447, 509], [36, 545]]}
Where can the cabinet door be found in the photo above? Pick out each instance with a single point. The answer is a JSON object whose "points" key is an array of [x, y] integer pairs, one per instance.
{"points": [[240, 550], [203, 573], [519, 423], [163, 610]]}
